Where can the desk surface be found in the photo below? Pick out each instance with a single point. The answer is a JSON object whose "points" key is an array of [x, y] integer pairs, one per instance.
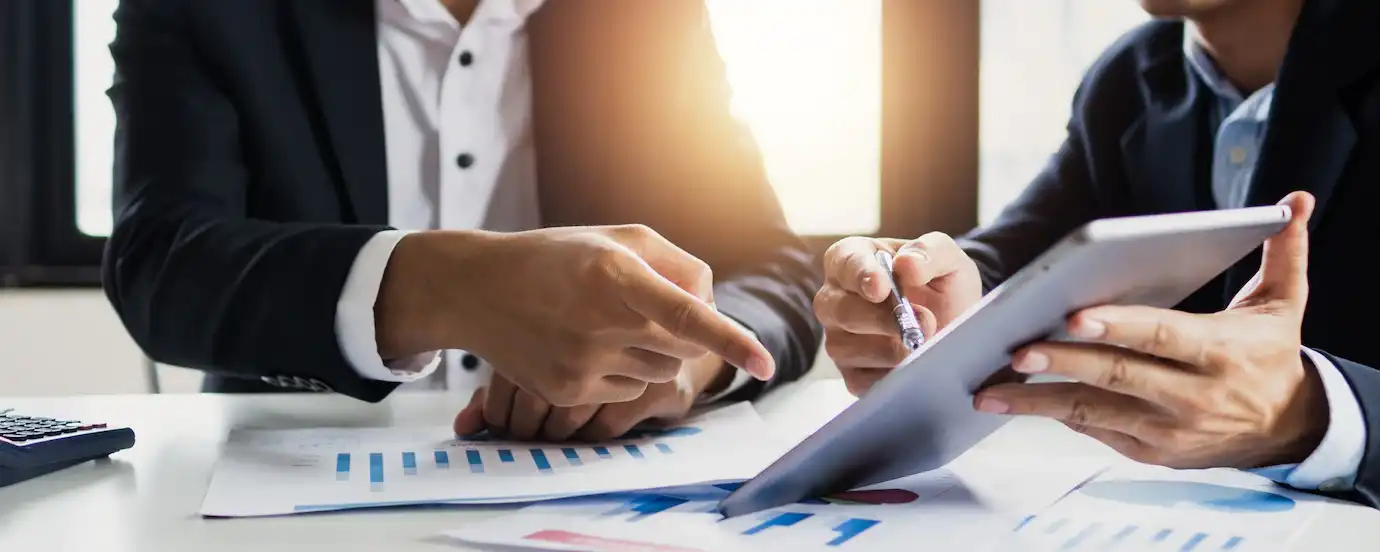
{"points": [[145, 499]]}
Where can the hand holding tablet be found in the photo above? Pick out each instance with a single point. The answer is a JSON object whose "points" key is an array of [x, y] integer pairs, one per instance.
{"points": [[922, 415]]}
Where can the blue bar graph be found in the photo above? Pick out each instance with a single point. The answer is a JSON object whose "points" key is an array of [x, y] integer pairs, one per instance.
{"points": [[1122, 534], [342, 466], [376, 471], [1193, 542], [1077, 540], [786, 519], [409, 463], [1232, 543], [1056, 526], [442, 460], [603, 452], [1162, 535], [646, 506], [851, 528], [505, 456], [633, 451], [539, 457], [572, 456], [475, 461], [664, 448]]}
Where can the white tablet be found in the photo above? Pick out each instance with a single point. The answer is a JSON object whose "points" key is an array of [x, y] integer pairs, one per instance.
{"points": [[920, 417]]}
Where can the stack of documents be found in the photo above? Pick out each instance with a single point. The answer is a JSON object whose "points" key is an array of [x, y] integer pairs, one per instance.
{"points": [[276, 472]]}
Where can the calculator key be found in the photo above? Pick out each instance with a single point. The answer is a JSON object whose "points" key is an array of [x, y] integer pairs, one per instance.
{"points": [[98, 426], [68, 430], [13, 436]]}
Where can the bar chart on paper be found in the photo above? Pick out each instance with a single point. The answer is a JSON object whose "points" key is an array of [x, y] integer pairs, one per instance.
{"points": [[943, 509], [1161, 509], [291, 471]]}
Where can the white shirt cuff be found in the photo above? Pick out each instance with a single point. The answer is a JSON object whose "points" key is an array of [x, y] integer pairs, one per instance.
{"points": [[1333, 465], [354, 317], [740, 377]]}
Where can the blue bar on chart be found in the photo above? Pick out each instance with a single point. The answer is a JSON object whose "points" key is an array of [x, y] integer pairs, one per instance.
{"points": [[572, 456], [633, 451], [603, 452], [664, 448], [1077, 540], [786, 519], [1193, 542], [851, 528], [646, 506], [442, 460], [409, 463], [1056, 526], [342, 466], [1232, 543], [505, 456], [376, 471], [1162, 535], [476, 462], [1122, 534], [539, 458]]}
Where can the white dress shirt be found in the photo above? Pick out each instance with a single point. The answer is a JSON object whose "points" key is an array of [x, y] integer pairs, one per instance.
{"points": [[1333, 465], [457, 124]]}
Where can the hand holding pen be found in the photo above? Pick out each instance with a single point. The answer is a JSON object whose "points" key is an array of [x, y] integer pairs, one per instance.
{"points": [[882, 299]]}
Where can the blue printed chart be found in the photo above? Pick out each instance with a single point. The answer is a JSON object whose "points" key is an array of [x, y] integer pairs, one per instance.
{"points": [[1148, 508], [944, 509], [310, 470]]}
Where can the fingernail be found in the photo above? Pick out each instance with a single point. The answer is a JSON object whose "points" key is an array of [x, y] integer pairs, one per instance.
{"points": [[920, 256], [1087, 328], [761, 368], [1032, 362], [992, 406]]}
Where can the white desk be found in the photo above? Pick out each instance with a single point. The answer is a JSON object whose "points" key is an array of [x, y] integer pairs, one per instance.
{"points": [[146, 498]]}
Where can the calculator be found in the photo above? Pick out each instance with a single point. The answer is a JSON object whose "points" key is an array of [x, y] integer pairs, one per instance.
{"points": [[31, 446]]}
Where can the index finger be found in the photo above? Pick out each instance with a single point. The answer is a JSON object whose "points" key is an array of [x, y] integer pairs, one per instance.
{"points": [[693, 320], [1164, 333]]}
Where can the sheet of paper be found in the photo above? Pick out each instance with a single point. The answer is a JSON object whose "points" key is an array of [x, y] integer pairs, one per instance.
{"points": [[1137, 507], [310, 470], [966, 506]]}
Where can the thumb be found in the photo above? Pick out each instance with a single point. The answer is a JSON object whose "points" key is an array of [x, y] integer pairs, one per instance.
{"points": [[470, 420], [1283, 272]]}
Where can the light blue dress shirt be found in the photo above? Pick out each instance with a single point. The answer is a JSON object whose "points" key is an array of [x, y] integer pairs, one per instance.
{"points": [[1333, 465]]}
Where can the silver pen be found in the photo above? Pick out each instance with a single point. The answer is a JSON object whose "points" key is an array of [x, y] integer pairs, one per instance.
{"points": [[906, 321]]}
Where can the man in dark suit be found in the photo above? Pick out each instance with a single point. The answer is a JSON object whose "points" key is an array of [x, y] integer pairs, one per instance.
{"points": [[1241, 103], [324, 194]]}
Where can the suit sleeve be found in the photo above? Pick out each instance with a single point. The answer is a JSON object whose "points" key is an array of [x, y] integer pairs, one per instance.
{"points": [[766, 277], [1365, 384], [1063, 196], [196, 281]]}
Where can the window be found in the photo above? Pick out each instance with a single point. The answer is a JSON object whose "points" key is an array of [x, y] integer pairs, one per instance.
{"points": [[806, 78], [92, 115], [1034, 54]]}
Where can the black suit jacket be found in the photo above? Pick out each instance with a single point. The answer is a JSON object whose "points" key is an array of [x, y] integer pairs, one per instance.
{"points": [[250, 170], [1140, 141]]}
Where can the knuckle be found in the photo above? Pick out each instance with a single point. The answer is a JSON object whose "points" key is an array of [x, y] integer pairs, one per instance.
{"points": [[1080, 413], [1165, 336], [1118, 375], [682, 317], [608, 265]]}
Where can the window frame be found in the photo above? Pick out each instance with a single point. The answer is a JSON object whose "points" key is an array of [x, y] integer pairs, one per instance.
{"points": [[41, 244]]}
